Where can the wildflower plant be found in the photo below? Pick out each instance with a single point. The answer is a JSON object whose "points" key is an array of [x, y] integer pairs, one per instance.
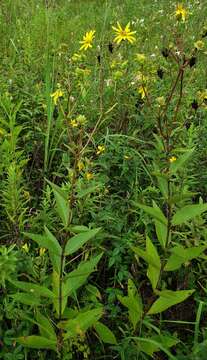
{"points": [[103, 180]]}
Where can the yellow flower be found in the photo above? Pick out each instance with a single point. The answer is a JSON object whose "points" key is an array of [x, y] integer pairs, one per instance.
{"points": [[42, 251], [80, 165], [172, 159], [25, 247], [56, 95], [199, 45], [126, 157], [74, 123], [87, 40], [123, 33], [89, 176], [202, 95], [142, 91], [181, 12], [101, 149]]}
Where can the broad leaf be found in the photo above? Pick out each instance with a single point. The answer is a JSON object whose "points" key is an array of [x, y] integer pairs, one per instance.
{"points": [[62, 208], [27, 299], [37, 342], [56, 290], [187, 213], [178, 164], [105, 334], [161, 232], [35, 290], [78, 277], [49, 242], [180, 256], [152, 258], [133, 303], [45, 327], [154, 211], [157, 342], [153, 272], [168, 298], [77, 241], [55, 250], [81, 323]]}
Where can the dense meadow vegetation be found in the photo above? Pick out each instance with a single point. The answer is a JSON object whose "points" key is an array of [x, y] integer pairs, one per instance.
{"points": [[103, 192]]}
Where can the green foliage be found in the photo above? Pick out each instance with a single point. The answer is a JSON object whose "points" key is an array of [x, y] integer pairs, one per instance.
{"points": [[103, 179]]}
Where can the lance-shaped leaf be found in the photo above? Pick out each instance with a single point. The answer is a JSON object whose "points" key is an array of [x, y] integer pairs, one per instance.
{"points": [[81, 323], [154, 211], [77, 241], [152, 258], [180, 161], [35, 290], [105, 334], [187, 213], [133, 303], [62, 203], [37, 342], [180, 256], [59, 297], [45, 327], [27, 299], [78, 277], [156, 343], [168, 298], [49, 242], [161, 232]]}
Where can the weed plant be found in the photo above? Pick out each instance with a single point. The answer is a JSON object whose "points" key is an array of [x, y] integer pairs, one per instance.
{"points": [[103, 108]]}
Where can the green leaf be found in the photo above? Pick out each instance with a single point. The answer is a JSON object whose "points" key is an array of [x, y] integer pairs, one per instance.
{"points": [[157, 342], [152, 258], [49, 242], [62, 203], [37, 342], [187, 213], [93, 291], [81, 323], [45, 327], [161, 232], [78, 228], [167, 299], [57, 189], [77, 241], [153, 272], [181, 256], [27, 299], [154, 211], [56, 290], [133, 302], [55, 249], [163, 183], [178, 164], [35, 290], [62, 208], [78, 277], [105, 334]]}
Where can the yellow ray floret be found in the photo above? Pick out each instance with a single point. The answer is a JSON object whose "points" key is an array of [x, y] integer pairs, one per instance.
{"points": [[87, 40], [123, 33], [56, 95], [181, 12]]}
